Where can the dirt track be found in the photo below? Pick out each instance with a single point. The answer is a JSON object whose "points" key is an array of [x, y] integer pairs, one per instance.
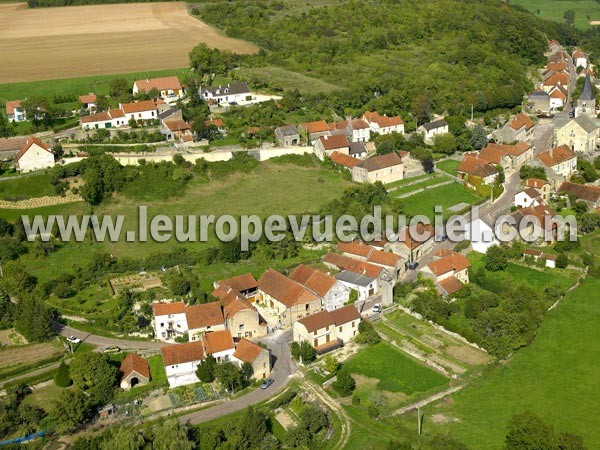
{"points": [[48, 43]]}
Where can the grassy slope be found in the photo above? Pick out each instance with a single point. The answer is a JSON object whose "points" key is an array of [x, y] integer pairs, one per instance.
{"points": [[282, 79], [555, 9], [556, 377], [445, 196], [28, 187], [448, 165]]}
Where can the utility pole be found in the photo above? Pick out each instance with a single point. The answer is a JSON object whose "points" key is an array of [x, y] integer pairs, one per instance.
{"points": [[419, 420], [471, 112]]}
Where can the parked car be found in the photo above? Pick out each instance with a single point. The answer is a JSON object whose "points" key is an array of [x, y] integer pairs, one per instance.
{"points": [[73, 340], [268, 382], [112, 349], [377, 308], [413, 266]]}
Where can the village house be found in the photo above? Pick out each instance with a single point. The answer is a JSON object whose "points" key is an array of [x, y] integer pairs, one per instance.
{"points": [[364, 285], [332, 293], [480, 233], [584, 192], [170, 113], [533, 224], [169, 320], [328, 330], [507, 156], [34, 155], [134, 371], [393, 263], [168, 88], [204, 318], [176, 130], [538, 102], [15, 112], [561, 161], [586, 103], [289, 300], [579, 58], [412, 242], [385, 168], [432, 129], [472, 166], [241, 317], [542, 186], [556, 66], [217, 123], [88, 102], [105, 119], [554, 46], [581, 134], [558, 56], [255, 355], [232, 94], [528, 197], [358, 150], [287, 135], [343, 160], [557, 78], [326, 145], [383, 124], [549, 260], [558, 97], [244, 285], [311, 131], [450, 270], [139, 111], [181, 361], [519, 128], [356, 130]]}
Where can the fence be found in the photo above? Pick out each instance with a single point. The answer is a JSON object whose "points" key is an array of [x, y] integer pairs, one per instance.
{"points": [[27, 438]]}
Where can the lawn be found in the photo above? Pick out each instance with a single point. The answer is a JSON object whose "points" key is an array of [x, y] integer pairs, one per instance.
{"points": [[435, 179], [27, 187], [448, 166], [406, 181], [284, 80], [395, 372], [555, 10], [556, 377], [445, 196]]}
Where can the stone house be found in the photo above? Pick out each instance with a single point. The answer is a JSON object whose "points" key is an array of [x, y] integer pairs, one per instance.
{"points": [[384, 168]]}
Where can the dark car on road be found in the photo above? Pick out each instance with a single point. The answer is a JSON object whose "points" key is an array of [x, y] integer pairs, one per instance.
{"points": [[268, 382]]}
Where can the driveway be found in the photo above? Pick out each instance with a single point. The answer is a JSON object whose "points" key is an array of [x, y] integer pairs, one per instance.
{"points": [[102, 341], [283, 368]]}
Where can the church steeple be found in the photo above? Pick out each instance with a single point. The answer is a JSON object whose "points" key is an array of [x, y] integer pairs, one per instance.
{"points": [[587, 93], [586, 103]]}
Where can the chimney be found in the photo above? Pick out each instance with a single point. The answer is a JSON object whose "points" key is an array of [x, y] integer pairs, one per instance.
{"points": [[552, 153]]}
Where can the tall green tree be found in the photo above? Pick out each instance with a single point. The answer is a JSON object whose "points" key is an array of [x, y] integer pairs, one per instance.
{"points": [[91, 372], [171, 435], [206, 370]]}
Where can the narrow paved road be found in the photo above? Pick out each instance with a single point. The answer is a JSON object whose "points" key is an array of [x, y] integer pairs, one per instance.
{"points": [[283, 368], [102, 341]]}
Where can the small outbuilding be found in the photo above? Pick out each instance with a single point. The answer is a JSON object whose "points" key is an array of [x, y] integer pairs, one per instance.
{"points": [[135, 371]]}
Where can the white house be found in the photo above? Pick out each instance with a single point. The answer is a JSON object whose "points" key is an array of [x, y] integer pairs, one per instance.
{"points": [[561, 160], [328, 330], [383, 124], [169, 320], [232, 93], [112, 118], [528, 197], [579, 59], [481, 235], [332, 292], [181, 361], [34, 155], [366, 286], [15, 112], [139, 111], [432, 129], [88, 101], [168, 88], [558, 97]]}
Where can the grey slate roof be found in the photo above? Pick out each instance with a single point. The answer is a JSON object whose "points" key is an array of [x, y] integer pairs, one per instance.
{"points": [[539, 95], [589, 124], [436, 124], [240, 87], [287, 130], [587, 93], [357, 148], [168, 113], [354, 278]]}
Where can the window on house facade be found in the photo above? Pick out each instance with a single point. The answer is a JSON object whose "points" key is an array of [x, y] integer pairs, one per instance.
{"points": [[315, 333]]}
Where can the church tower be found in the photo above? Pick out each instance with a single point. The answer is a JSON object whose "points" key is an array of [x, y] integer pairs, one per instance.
{"points": [[586, 103]]}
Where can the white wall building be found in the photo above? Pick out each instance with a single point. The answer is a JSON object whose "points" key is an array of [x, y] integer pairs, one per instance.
{"points": [[34, 155]]}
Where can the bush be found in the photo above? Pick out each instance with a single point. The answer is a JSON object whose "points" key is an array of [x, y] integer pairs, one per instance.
{"points": [[562, 261], [367, 334], [344, 384], [62, 378]]}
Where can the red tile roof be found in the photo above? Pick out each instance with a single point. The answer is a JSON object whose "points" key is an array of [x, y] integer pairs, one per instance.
{"points": [[103, 116], [318, 126], [557, 78], [240, 283], [474, 165], [450, 285], [334, 142], [344, 160], [315, 280], [217, 341], [581, 191], [535, 183], [177, 125], [556, 155], [134, 363], [346, 263], [285, 290], [161, 84], [30, 141], [354, 248], [247, 351], [520, 121], [204, 315], [216, 122], [90, 98], [164, 309], [380, 162], [454, 262], [382, 121], [234, 305], [324, 319], [182, 353], [136, 107], [383, 258], [495, 152], [11, 105]]}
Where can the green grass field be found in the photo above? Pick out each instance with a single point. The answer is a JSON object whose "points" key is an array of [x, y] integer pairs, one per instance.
{"points": [[435, 179], [555, 10], [448, 166], [556, 377], [445, 196], [77, 86], [406, 181], [23, 188], [395, 372], [284, 80]]}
